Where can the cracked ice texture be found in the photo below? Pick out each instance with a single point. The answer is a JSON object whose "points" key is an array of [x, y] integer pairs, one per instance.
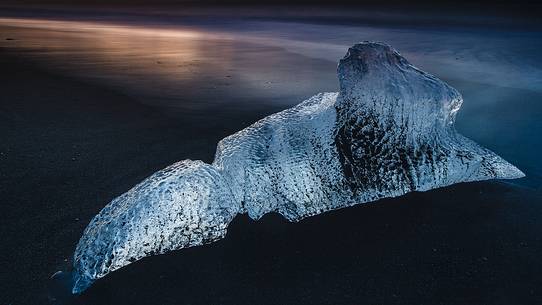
{"points": [[389, 131]]}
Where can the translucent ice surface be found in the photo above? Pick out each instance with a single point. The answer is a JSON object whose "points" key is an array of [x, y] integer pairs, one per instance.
{"points": [[389, 131]]}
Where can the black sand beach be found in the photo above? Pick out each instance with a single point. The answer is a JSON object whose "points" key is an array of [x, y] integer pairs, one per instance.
{"points": [[71, 147], [68, 145]]}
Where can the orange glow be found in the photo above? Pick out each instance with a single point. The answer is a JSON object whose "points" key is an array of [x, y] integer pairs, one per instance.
{"points": [[122, 55], [81, 26]]}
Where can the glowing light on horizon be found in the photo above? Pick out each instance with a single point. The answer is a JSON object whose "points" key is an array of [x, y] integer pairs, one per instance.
{"points": [[95, 26], [170, 61]]}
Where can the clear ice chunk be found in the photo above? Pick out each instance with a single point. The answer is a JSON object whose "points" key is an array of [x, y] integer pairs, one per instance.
{"points": [[389, 131]]}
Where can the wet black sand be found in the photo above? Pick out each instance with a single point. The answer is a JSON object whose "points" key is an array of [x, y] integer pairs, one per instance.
{"points": [[69, 147]]}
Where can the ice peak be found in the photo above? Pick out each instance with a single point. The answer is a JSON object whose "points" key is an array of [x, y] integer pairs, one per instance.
{"points": [[372, 53], [375, 79]]}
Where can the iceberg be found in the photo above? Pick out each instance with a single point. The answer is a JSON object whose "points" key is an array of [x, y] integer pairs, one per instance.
{"points": [[388, 131]]}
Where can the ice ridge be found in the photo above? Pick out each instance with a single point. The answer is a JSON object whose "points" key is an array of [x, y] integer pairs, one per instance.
{"points": [[389, 131]]}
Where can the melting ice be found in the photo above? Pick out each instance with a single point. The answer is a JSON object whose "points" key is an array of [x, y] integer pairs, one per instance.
{"points": [[388, 131]]}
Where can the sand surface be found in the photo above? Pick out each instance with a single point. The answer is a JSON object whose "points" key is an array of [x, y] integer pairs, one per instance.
{"points": [[69, 143]]}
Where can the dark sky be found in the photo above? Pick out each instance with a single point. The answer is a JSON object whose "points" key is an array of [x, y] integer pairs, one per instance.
{"points": [[528, 7], [487, 3]]}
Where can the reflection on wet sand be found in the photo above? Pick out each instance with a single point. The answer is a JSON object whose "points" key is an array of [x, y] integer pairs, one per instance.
{"points": [[255, 59], [165, 64]]}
